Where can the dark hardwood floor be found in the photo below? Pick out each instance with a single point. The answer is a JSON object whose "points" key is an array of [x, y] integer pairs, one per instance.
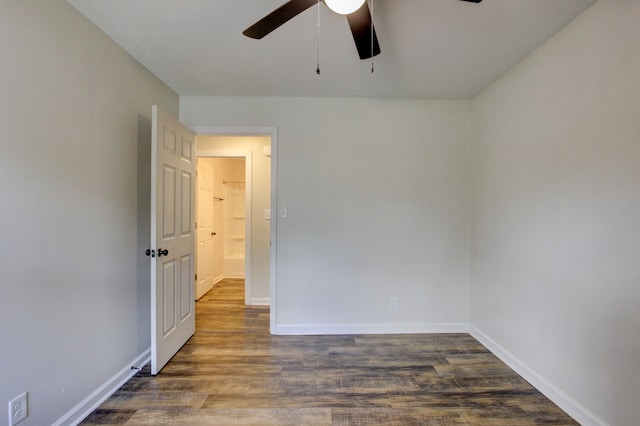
{"points": [[232, 372]]}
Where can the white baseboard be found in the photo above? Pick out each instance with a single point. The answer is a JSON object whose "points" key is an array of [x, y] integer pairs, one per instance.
{"points": [[572, 407], [202, 291], [392, 328], [97, 397], [260, 301]]}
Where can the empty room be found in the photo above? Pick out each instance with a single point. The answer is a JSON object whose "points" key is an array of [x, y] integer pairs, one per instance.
{"points": [[443, 199]]}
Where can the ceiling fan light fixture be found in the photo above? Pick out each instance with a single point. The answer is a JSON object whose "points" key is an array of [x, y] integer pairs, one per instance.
{"points": [[344, 7]]}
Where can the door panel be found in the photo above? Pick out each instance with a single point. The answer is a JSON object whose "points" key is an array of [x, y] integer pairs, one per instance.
{"points": [[168, 296], [169, 207], [186, 204], [172, 237], [186, 295]]}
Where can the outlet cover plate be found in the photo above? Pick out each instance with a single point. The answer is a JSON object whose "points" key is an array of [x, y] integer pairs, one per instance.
{"points": [[18, 409], [393, 303]]}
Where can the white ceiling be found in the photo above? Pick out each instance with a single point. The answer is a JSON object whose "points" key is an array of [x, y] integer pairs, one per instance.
{"points": [[430, 48]]}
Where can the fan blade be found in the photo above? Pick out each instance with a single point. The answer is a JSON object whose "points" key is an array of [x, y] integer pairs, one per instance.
{"points": [[362, 30], [278, 17], [473, 1]]}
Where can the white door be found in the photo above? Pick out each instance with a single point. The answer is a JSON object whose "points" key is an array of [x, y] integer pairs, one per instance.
{"points": [[172, 237], [206, 232]]}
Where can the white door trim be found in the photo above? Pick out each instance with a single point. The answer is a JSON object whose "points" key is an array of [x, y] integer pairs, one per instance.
{"points": [[255, 131]]}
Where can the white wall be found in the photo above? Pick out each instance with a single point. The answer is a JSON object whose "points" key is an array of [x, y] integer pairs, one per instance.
{"points": [[556, 247], [73, 120], [378, 201]]}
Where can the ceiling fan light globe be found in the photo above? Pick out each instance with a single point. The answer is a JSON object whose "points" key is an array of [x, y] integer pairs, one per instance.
{"points": [[344, 7]]}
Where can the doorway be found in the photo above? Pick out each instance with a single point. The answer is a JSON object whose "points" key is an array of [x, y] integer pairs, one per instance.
{"points": [[240, 210], [221, 216]]}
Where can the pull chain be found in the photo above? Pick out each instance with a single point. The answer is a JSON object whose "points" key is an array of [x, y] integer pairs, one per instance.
{"points": [[372, 15], [318, 40]]}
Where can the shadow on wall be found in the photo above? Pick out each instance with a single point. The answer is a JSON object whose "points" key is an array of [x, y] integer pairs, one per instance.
{"points": [[143, 268]]}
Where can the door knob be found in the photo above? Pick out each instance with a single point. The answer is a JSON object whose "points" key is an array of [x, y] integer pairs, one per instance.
{"points": [[213, 233], [162, 252]]}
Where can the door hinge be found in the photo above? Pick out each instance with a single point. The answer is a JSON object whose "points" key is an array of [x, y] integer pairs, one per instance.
{"points": [[196, 277]]}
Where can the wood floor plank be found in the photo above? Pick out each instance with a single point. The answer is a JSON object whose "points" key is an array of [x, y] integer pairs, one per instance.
{"points": [[246, 416], [122, 400], [233, 372]]}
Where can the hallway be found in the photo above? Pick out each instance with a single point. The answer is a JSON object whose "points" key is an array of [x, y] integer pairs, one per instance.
{"points": [[233, 372]]}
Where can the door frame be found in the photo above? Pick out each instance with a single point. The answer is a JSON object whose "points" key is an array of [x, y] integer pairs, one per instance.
{"points": [[271, 132]]}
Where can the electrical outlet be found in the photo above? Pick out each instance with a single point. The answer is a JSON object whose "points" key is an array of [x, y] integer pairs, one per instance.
{"points": [[18, 409], [393, 303]]}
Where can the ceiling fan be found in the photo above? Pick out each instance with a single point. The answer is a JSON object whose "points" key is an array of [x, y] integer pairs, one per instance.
{"points": [[356, 11]]}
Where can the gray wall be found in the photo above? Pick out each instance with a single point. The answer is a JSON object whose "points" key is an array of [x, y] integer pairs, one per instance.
{"points": [[556, 251], [378, 201], [73, 118]]}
